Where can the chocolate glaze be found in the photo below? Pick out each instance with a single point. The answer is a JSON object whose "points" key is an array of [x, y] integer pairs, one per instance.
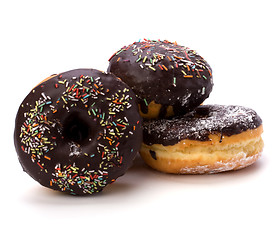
{"points": [[197, 125], [165, 72], [78, 131]]}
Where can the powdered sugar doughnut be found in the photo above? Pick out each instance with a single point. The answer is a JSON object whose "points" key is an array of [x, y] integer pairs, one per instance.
{"points": [[211, 139]]}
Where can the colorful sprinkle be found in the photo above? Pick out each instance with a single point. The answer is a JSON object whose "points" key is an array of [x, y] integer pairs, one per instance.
{"points": [[178, 56], [37, 138]]}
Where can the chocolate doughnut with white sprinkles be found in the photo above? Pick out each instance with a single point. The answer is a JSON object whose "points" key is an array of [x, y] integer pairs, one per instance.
{"points": [[210, 139], [78, 131], [168, 79]]}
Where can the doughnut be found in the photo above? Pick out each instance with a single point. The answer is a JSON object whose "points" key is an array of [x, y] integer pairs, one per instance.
{"points": [[78, 131], [210, 139], [168, 79]]}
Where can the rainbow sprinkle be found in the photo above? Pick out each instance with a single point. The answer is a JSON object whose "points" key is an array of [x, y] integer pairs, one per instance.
{"points": [[177, 56], [38, 140]]}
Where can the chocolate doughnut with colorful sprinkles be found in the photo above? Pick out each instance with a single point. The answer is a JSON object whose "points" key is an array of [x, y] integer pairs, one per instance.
{"points": [[168, 79], [78, 131]]}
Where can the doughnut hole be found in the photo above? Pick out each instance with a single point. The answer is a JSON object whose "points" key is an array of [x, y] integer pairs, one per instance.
{"points": [[75, 129]]}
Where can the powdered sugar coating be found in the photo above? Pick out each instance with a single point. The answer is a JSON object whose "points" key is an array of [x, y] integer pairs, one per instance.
{"points": [[197, 125], [240, 161]]}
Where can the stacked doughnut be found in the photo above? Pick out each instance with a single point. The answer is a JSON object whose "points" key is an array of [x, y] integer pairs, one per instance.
{"points": [[78, 131], [179, 134]]}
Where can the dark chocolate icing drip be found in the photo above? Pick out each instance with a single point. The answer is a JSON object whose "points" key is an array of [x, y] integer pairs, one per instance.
{"points": [[197, 125], [164, 72], [143, 107], [153, 154], [162, 111]]}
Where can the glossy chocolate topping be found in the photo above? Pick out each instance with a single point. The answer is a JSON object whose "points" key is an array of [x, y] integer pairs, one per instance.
{"points": [[165, 72], [78, 131], [197, 125]]}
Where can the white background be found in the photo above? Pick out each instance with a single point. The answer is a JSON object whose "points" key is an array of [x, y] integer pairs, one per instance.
{"points": [[240, 40]]}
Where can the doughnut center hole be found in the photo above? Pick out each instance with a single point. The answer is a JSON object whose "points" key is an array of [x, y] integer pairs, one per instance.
{"points": [[75, 129]]}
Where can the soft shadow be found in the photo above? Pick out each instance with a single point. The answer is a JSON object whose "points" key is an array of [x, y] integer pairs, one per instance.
{"points": [[138, 178], [39, 195]]}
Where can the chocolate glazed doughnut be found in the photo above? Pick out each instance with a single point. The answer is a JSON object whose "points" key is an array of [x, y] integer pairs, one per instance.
{"points": [[168, 79], [78, 131], [211, 139]]}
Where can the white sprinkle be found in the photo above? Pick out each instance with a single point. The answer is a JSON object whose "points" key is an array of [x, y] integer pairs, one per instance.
{"points": [[44, 96], [203, 91]]}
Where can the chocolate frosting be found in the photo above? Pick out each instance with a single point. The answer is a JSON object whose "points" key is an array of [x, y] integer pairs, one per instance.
{"points": [[164, 72], [197, 125], [78, 131]]}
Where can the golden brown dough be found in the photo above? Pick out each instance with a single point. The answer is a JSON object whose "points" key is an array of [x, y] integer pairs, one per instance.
{"points": [[212, 138], [195, 157]]}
